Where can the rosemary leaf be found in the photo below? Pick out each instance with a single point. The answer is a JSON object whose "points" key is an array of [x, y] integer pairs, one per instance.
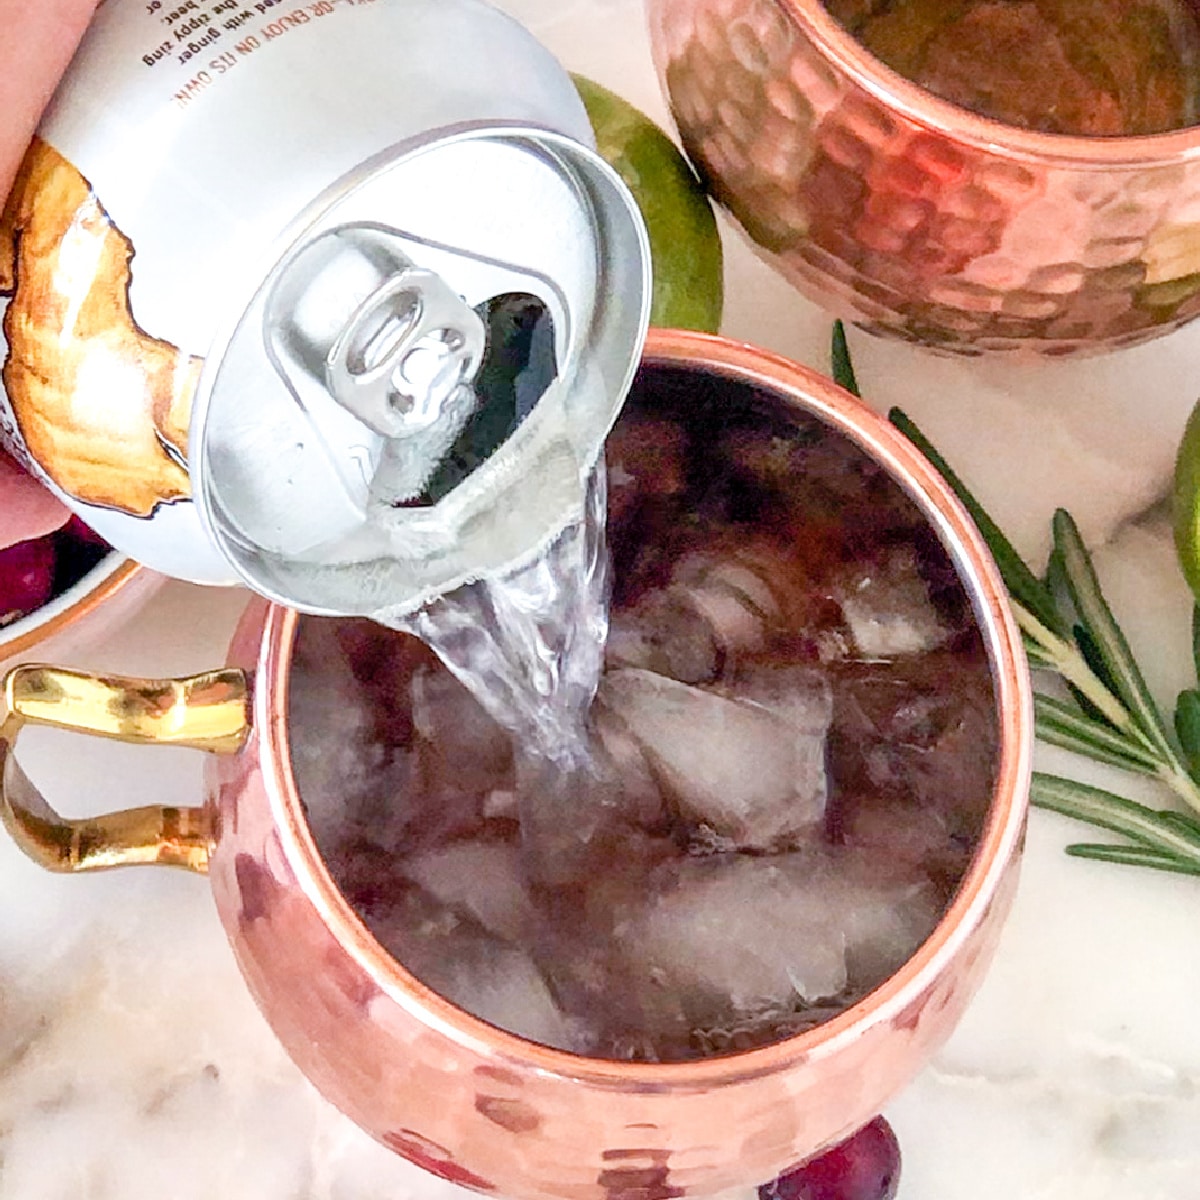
{"points": [[1123, 674], [1024, 585], [1056, 582], [1094, 657], [1182, 824], [843, 368], [1036, 654], [1114, 813], [1187, 729], [1065, 660], [1060, 724], [1134, 856], [1088, 707], [1196, 638]]}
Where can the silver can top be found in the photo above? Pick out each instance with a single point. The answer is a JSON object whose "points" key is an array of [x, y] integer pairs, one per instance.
{"points": [[416, 394]]}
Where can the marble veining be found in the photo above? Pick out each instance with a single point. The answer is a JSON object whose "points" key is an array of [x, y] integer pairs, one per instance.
{"points": [[134, 1065]]}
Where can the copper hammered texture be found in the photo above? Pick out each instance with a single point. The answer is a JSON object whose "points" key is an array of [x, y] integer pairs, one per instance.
{"points": [[501, 1115], [913, 218], [505, 1117]]}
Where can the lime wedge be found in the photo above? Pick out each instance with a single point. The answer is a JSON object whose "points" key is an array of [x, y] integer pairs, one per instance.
{"points": [[1186, 504]]}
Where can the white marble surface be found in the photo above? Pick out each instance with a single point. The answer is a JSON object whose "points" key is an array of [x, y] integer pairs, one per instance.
{"points": [[133, 1064]]}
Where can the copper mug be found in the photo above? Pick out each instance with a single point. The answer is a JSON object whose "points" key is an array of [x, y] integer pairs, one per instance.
{"points": [[466, 1101], [916, 218]]}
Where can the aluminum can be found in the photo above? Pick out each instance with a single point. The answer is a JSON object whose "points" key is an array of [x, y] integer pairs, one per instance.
{"points": [[256, 273]]}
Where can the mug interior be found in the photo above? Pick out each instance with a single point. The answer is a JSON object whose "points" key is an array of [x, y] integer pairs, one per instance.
{"points": [[682, 364], [901, 95]]}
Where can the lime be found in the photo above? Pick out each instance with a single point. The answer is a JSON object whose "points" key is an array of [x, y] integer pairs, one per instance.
{"points": [[1187, 502], [685, 246]]}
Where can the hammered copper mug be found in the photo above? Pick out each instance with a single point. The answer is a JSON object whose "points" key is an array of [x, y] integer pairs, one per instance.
{"points": [[459, 1097], [912, 216]]}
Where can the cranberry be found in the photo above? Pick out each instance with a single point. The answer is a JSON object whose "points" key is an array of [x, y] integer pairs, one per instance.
{"points": [[26, 578], [77, 530], [863, 1167]]}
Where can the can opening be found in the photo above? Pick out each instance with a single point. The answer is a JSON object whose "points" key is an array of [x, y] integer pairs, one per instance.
{"points": [[416, 394]]}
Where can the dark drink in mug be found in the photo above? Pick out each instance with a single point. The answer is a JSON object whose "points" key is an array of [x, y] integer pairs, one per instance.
{"points": [[793, 748], [1101, 68], [793, 661]]}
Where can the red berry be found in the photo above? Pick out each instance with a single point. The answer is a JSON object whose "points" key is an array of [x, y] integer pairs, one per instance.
{"points": [[76, 529], [26, 578], [863, 1167]]}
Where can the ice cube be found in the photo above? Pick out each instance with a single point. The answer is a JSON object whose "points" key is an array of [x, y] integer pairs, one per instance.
{"points": [[324, 696], [387, 748], [581, 808], [735, 626], [712, 570], [749, 773], [614, 1012], [337, 755], [885, 909], [484, 879], [739, 605], [732, 935], [573, 818], [889, 610], [720, 602], [473, 748], [779, 582], [898, 829], [666, 634], [641, 799], [798, 694], [460, 758], [742, 938], [455, 956]]}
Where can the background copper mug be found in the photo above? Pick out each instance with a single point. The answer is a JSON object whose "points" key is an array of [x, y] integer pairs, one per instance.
{"points": [[914, 217], [471, 1103]]}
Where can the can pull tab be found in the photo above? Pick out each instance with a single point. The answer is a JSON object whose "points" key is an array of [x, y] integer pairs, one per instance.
{"points": [[405, 353], [402, 364]]}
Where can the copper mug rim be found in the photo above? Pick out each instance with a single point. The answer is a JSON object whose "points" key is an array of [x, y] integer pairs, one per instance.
{"points": [[901, 95], [998, 845]]}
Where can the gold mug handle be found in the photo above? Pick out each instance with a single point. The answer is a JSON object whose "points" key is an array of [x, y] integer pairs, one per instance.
{"points": [[205, 712]]}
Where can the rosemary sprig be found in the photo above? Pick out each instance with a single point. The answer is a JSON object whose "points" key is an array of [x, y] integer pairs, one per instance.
{"points": [[843, 368], [1069, 631], [1164, 840]]}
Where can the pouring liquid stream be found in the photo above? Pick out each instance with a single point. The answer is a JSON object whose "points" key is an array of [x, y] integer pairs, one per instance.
{"points": [[528, 643], [529, 646]]}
